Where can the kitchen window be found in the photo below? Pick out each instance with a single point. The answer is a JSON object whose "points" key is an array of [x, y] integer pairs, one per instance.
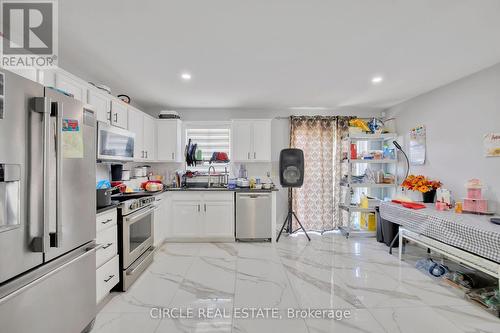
{"points": [[213, 142]]}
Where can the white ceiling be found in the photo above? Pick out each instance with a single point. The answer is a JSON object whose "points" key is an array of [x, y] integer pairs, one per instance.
{"points": [[276, 54]]}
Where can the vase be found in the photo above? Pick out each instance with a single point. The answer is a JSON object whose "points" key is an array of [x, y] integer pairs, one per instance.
{"points": [[429, 196]]}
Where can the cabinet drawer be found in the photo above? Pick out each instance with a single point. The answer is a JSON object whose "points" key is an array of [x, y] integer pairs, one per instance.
{"points": [[106, 220], [107, 276], [108, 238]]}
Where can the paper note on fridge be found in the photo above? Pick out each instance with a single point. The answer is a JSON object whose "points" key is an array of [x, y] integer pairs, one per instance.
{"points": [[72, 139]]}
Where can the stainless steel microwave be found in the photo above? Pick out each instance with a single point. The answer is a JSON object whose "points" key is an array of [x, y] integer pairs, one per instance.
{"points": [[114, 144]]}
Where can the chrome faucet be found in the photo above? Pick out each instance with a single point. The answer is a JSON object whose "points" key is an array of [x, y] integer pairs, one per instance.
{"points": [[210, 175]]}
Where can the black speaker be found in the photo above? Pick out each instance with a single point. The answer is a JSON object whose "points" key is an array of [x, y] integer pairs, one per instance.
{"points": [[291, 167]]}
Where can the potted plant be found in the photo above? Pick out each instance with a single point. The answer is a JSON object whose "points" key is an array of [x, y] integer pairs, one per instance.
{"points": [[423, 185]]}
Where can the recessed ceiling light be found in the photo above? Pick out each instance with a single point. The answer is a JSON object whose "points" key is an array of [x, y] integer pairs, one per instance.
{"points": [[377, 79], [308, 108], [186, 76]]}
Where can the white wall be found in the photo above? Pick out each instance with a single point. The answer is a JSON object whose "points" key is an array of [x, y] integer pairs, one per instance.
{"points": [[457, 116]]}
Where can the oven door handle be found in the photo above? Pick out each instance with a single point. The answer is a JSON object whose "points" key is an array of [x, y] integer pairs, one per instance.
{"points": [[137, 216]]}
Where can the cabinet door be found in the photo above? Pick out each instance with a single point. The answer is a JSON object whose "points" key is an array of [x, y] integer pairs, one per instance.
{"points": [[186, 219], [101, 103], [70, 85], [119, 114], [242, 140], [149, 138], [168, 144], [261, 141], [136, 126], [218, 219]]}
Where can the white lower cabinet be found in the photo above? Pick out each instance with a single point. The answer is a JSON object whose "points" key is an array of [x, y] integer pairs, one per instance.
{"points": [[218, 218], [107, 263], [161, 219], [202, 216], [106, 278]]}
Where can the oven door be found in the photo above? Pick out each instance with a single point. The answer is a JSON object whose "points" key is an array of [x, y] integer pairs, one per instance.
{"points": [[137, 234]]}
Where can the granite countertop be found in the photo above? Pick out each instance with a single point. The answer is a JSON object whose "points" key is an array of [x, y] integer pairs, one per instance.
{"points": [[114, 204], [218, 189]]}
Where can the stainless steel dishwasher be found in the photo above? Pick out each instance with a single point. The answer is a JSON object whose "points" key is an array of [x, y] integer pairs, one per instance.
{"points": [[253, 216]]}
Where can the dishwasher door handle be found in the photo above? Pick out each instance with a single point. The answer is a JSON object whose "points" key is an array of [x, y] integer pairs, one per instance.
{"points": [[252, 196]]}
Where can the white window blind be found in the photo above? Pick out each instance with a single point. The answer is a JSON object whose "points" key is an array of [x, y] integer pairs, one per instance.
{"points": [[209, 140]]}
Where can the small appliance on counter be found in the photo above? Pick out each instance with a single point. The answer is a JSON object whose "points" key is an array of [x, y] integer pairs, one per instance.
{"points": [[242, 182], [116, 172], [142, 171]]}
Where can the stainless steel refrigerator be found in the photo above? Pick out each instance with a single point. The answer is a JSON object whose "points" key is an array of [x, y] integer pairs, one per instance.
{"points": [[47, 209]]}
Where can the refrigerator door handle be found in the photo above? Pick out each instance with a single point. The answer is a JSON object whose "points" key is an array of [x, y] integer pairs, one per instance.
{"points": [[42, 105], [58, 108]]}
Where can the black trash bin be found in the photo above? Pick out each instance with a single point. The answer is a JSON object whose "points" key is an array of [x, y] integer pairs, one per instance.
{"points": [[388, 230]]}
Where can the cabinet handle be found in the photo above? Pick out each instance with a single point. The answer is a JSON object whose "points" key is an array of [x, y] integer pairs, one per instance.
{"points": [[109, 278], [108, 115], [248, 155], [146, 154], [107, 221], [104, 247], [116, 117], [254, 155], [198, 208], [205, 207], [173, 156]]}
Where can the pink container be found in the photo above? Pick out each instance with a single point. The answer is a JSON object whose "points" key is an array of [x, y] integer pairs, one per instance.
{"points": [[476, 205], [474, 193]]}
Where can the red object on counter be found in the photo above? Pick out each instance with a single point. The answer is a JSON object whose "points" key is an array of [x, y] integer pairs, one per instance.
{"points": [[143, 185], [354, 151], [413, 205]]}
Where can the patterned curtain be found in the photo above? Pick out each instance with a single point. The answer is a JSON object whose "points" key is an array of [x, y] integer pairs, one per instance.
{"points": [[316, 202]]}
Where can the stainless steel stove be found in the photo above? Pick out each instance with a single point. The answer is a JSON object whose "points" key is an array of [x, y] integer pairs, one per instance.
{"points": [[135, 237]]}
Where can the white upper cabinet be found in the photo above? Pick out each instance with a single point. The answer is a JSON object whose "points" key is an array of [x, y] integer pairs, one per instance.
{"points": [[143, 126], [251, 140], [169, 140], [102, 104], [72, 85], [241, 146], [119, 114], [136, 126], [262, 140], [149, 142]]}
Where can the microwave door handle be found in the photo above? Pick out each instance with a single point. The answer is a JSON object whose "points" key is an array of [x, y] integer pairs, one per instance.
{"points": [[42, 105], [58, 108]]}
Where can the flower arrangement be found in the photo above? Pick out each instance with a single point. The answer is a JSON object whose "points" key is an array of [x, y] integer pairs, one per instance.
{"points": [[420, 183]]}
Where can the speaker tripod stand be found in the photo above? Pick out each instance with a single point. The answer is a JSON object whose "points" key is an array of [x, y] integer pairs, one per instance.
{"points": [[289, 219]]}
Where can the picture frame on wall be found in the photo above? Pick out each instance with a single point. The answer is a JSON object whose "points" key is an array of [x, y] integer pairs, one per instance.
{"points": [[492, 145]]}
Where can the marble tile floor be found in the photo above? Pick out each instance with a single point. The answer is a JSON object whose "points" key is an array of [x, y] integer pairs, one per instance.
{"points": [[364, 288]]}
